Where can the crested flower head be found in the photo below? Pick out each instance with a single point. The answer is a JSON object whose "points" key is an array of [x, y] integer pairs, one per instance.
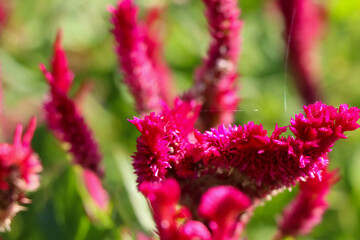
{"points": [[19, 173], [163, 140], [242, 156]]}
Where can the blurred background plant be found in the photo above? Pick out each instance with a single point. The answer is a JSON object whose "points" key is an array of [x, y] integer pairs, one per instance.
{"points": [[62, 208]]}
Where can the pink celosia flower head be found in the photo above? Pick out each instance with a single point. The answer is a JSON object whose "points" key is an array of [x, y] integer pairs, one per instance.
{"points": [[19, 173], [242, 156]]}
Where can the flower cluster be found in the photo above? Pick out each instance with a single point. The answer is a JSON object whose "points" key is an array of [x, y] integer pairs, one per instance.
{"points": [[218, 174], [242, 156], [19, 173]]}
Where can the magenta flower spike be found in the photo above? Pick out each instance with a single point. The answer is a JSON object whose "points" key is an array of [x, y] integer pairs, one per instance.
{"points": [[154, 47], [68, 125], [63, 117], [307, 209], [215, 80], [303, 21], [241, 156], [19, 173], [131, 46]]}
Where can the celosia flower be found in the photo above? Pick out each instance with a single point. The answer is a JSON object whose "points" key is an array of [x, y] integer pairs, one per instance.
{"points": [[66, 122], [132, 49], [242, 156], [19, 173], [215, 79], [306, 211], [303, 20], [62, 116], [220, 207]]}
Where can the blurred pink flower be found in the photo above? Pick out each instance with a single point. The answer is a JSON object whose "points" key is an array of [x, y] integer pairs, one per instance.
{"points": [[68, 125], [155, 54], [303, 21], [163, 198], [307, 209], [19, 173], [135, 57], [222, 206], [194, 230], [215, 80], [4, 13], [95, 189], [63, 117]]}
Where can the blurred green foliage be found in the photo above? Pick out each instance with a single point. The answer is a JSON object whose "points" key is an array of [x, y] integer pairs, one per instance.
{"points": [[57, 209]]}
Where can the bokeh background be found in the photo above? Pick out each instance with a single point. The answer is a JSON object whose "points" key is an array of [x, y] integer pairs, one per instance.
{"points": [[62, 209]]}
